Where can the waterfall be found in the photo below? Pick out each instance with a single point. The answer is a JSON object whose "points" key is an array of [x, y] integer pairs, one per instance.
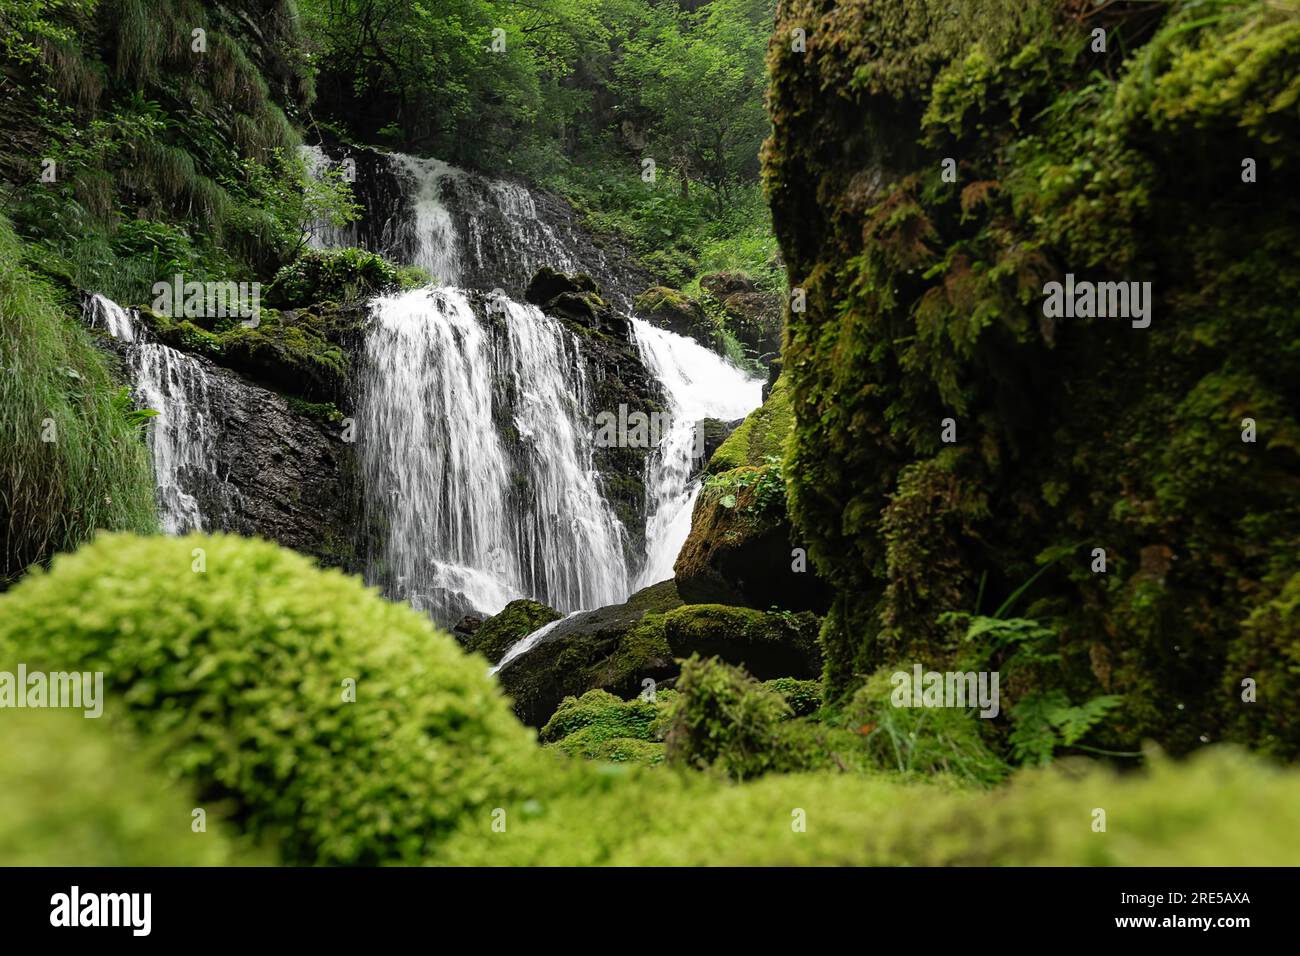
{"points": [[192, 404], [474, 432], [700, 384]]}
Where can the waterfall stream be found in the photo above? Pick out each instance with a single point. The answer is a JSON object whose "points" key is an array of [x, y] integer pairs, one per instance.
{"points": [[183, 437]]}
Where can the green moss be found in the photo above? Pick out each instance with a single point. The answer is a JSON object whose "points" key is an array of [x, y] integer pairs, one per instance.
{"points": [[1220, 808], [513, 623], [923, 303], [240, 666], [762, 435], [79, 792], [803, 696]]}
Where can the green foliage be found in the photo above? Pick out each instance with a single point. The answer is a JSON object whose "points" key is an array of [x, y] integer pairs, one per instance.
{"points": [[803, 696], [72, 459], [921, 740], [239, 667], [924, 303], [336, 275], [79, 792], [724, 720], [765, 486]]}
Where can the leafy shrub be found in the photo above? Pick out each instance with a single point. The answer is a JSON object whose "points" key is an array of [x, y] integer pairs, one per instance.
{"points": [[723, 719], [338, 275], [78, 792], [240, 669], [803, 696]]}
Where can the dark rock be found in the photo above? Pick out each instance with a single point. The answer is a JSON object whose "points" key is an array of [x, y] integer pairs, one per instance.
{"points": [[612, 648], [722, 284], [513, 623], [669, 309], [741, 552], [768, 645], [715, 432], [547, 283], [466, 628]]}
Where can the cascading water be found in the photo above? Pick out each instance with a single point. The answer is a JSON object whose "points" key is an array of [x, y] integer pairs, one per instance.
{"points": [[700, 384], [476, 447], [183, 437]]}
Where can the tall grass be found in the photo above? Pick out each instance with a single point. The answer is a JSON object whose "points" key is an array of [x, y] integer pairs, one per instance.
{"points": [[71, 462]]}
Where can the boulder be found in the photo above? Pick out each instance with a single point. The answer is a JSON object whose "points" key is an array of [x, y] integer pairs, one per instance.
{"points": [[769, 645], [612, 648], [493, 637], [670, 309]]}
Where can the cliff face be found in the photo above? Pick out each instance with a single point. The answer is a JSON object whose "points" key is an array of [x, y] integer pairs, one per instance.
{"points": [[1163, 158]]}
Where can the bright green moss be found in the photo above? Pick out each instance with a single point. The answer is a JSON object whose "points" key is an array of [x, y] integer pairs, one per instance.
{"points": [[803, 696], [78, 792], [241, 664], [762, 435], [337, 275], [511, 624]]}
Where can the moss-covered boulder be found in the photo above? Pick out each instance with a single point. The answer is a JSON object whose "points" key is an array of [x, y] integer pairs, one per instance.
{"points": [[615, 648], [600, 726], [762, 436], [741, 547], [341, 727], [767, 644], [677, 312], [511, 624], [931, 169]]}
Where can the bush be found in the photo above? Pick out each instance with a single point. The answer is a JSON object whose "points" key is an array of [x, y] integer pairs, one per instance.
{"points": [[240, 667], [723, 719], [78, 793], [339, 275]]}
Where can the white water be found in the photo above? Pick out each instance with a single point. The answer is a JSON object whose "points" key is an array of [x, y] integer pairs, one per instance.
{"points": [[183, 436], [526, 644], [472, 519], [700, 384]]}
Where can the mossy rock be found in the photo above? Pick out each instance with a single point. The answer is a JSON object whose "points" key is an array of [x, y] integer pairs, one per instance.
{"points": [[493, 637], [741, 551], [924, 302], [677, 312], [803, 696], [547, 283], [614, 648], [339, 726], [767, 644], [763, 434], [602, 716]]}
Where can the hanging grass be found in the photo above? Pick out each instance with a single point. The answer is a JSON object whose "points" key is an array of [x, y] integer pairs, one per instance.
{"points": [[70, 461]]}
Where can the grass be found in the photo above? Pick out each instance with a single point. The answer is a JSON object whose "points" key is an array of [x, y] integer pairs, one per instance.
{"points": [[71, 460]]}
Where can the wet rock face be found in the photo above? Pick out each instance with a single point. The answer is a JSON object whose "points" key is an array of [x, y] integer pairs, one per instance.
{"points": [[742, 553]]}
